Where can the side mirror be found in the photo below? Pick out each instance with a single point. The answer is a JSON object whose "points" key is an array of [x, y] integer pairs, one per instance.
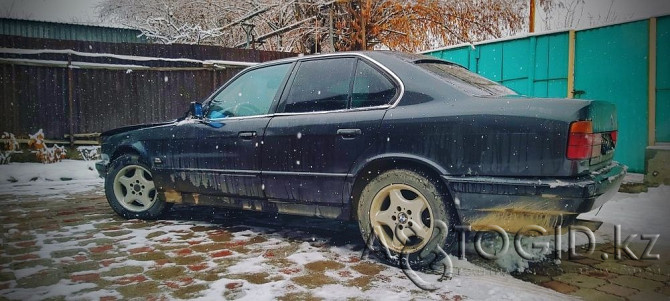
{"points": [[196, 110]]}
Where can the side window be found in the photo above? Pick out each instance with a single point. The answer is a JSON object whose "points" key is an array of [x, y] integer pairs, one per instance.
{"points": [[320, 85], [250, 94], [371, 88]]}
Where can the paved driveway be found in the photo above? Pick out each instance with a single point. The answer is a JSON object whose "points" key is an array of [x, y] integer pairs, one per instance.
{"points": [[75, 247]]}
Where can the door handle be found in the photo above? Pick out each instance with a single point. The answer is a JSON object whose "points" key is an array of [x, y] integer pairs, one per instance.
{"points": [[349, 133], [247, 135]]}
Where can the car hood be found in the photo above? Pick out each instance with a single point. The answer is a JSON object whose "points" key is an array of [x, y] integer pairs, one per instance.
{"points": [[134, 127]]}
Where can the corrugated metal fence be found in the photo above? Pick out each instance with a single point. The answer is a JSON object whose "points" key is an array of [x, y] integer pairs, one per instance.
{"points": [[107, 91], [66, 31], [626, 64]]}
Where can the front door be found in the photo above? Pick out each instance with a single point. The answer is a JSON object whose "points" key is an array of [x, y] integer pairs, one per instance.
{"points": [[221, 154]]}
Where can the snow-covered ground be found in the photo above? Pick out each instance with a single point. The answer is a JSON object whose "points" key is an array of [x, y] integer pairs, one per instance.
{"points": [[49, 180], [639, 213]]}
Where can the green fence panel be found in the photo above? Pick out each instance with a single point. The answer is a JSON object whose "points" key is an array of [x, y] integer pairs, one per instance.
{"points": [[459, 56], [489, 63], [611, 64], [663, 79], [533, 66]]}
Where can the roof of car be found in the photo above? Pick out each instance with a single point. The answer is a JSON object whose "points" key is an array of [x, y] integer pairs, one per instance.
{"points": [[408, 57]]}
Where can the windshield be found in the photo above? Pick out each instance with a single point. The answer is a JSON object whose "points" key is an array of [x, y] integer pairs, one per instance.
{"points": [[465, 80]]}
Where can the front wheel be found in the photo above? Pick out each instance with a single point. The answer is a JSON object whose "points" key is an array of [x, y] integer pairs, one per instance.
{"points": [[130, 189], [403, 213]]}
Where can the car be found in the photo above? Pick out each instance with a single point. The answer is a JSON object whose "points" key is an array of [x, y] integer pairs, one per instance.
{"points": [[407, 145]]}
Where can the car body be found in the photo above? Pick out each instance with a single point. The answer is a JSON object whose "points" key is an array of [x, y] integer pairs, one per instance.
{"points": [[309, 135]]}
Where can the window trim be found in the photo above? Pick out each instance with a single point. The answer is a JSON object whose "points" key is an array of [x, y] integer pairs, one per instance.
{"points": [[294, 62], [384, 74], [395, 80]]}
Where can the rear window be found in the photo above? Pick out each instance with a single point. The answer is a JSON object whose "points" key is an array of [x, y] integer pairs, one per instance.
{"points": [[466, 81]]}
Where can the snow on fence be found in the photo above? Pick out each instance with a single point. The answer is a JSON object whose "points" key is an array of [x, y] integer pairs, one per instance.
{"points": [[70, 88]]}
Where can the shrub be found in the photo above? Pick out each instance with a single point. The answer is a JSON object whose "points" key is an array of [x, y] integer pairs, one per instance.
{"points": [[44, 153]]}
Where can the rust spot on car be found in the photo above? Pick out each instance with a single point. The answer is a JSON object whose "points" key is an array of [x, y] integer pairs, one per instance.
{"points": [[513, 218], [173, 196]]}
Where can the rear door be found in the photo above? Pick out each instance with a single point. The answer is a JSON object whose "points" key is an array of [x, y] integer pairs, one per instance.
{"points": [[328, 117]]}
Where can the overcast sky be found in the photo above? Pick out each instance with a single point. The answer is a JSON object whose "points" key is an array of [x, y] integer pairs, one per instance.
{"points": [[594, 12]]}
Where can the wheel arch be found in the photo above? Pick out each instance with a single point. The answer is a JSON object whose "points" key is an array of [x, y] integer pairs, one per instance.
{"points": [[131, 149], [364, 173]]}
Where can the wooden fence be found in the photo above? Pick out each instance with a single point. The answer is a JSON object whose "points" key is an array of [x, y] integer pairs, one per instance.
{"points": [[70, 88]]}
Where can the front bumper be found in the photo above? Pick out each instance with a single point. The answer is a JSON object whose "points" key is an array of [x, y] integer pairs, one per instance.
{"points": [[101, 167], [514, 203]]}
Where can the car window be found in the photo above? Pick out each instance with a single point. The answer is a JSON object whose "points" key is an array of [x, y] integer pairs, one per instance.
{"points": [[250, 94], [466, 81], [320, 85], [371, 88]]}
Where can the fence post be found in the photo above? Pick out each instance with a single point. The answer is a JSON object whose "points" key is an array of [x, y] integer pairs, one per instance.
{"points": [[70, 98], [652, 83], [571, 64]]}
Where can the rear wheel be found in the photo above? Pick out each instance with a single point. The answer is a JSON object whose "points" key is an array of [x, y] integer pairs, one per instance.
{"points": [[403, 213], [130, 189]]}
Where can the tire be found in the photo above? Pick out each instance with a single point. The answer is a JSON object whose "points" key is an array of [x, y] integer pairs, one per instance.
{"points": [[408, 202], [130, 189]]}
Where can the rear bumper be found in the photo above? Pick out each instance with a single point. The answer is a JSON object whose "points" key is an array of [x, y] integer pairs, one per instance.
{"points": [[513, 203]]}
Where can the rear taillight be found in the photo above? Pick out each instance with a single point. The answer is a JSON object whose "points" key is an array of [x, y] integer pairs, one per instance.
{"points": [[613, 135], [580, 140]]}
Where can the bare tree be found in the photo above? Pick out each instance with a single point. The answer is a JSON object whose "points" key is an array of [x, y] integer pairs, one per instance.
{"points": [[322, 25]]}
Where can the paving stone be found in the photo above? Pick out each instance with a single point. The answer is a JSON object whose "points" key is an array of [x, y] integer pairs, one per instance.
{"points": [[560, 287], [107, 255], [322, 265], [653, 276], [7, 276], [639, 263], [614, 267], [148, 256], [130, 279], [80, 267], [190, 291], [166, 273], [67, 252], [647, 296], [97, 242], [124, 270], [107, 225], [88, 277], [312, 281], [641, 284], [368, 268], [30, 263], [595, 295], [617, 290], [186, 260], [169, 247], [142, 289], [155, 234], [665, 290], [117, 233], [5, 260], [11, 250], [42, 278], [580, 280], [205, 248]]}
